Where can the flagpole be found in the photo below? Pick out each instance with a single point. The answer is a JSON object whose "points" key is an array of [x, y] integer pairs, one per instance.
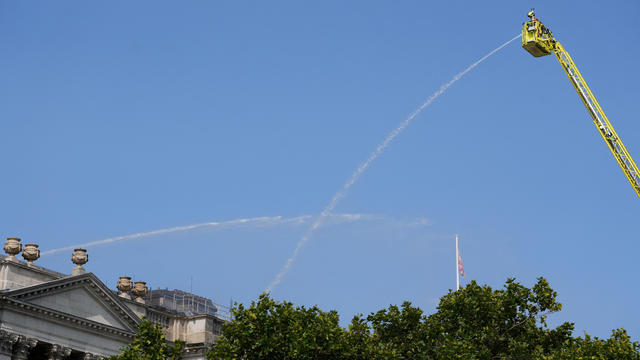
{"points": [[457, 266]]}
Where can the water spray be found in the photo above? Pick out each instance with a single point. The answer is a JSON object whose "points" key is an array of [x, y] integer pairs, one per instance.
{"points": [[362, 168], [265, 221]]}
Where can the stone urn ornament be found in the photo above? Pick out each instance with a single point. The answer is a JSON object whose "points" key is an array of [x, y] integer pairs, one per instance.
{"points": [[139, 290], [12, 246], [125, 285], [31, 253], [79, 258]]}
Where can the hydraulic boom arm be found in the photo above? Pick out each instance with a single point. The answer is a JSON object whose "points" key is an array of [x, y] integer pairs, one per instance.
{"points": [[539, 41]]}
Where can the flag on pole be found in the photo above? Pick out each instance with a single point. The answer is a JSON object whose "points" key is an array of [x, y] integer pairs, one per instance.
{"points": [[460, 266]]}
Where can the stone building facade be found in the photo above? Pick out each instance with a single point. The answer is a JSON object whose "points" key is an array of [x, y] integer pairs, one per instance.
{"points": [[49, 315]]}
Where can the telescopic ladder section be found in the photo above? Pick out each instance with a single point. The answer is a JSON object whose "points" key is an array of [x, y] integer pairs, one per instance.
{"points": [[600, 120]]}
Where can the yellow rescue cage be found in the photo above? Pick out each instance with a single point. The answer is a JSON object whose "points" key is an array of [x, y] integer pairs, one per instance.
{"points": [[536, 38]]}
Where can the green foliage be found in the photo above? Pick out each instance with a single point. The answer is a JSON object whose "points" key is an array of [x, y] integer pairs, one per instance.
{"points": [[149, 344], [618, 347], [271, 330], [480, 323], [476, 322], [398, 333]]}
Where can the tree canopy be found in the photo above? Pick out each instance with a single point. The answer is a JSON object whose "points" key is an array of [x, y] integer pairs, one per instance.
{"points": [[476, 322], [150, 344], [277, 330]]}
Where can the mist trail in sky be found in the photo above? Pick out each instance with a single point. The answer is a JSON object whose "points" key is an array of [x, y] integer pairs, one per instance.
{"points": [[265, 220], [363, 167]]}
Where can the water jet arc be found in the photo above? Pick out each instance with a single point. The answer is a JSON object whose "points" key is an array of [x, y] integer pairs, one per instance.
{"points": [[363, 167]]}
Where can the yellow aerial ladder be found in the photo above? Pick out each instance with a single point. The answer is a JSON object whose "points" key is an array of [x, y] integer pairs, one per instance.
{"points": [[539, 41]]}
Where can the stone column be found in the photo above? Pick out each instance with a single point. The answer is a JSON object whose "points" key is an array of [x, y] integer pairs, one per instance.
{"points": [[22, 346], [6, 345], [58, 352]]}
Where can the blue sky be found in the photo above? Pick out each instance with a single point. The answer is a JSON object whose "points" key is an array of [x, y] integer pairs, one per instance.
{"points": [[120, 118]]}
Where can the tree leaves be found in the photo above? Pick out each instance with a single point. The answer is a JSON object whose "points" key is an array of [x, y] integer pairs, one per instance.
{"points": [[277, 330], [476, 322], [150, 344]]}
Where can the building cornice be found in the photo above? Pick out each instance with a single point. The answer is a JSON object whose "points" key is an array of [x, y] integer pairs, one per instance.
{"points": [[90, 282], [34, 268], [64, 318]]}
